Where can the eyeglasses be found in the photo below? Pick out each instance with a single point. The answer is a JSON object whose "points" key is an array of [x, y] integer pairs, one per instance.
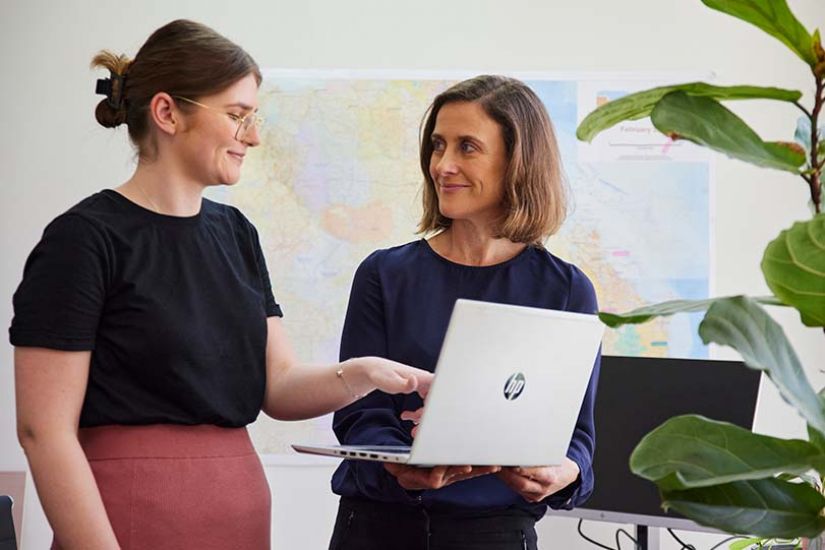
{"points": [[244, 122]]}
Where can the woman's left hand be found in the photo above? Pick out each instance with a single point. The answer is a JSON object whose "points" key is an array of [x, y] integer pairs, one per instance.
{"points": [[414, 417], [538, 482]]}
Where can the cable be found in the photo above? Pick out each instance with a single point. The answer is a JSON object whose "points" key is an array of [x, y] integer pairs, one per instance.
{"points": [[685, 546], [637, 546], [588, 539], [621, 531]]}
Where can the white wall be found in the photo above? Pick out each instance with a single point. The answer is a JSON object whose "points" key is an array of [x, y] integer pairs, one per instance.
{"points": [[53, 153]]}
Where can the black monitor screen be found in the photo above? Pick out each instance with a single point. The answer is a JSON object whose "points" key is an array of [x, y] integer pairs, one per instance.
{"points": [[635, 395]]}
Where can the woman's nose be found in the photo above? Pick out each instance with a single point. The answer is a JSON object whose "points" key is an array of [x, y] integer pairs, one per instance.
{"points": [[446, 164]]}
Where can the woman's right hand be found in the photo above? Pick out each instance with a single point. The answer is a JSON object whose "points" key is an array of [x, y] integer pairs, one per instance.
{"points": [[411, 477], [387, 376]]}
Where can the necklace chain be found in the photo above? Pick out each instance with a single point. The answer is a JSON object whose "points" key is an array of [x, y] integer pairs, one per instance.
{"points": [[148, 199]]}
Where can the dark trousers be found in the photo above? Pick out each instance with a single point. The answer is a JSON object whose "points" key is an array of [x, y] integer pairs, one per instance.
{"points": [[370, 525]]}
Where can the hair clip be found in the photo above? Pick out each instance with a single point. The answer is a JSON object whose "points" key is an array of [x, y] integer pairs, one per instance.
{"points": [[112, 88], [104, 86]]}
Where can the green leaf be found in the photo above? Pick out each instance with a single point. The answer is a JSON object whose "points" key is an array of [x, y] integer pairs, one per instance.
{"points": [[640, 104], [706, 122], [692, 451], [663, 309], [764, 507], [810, 478], [794, 268], [775, 18], [816, 438], [745, 326], [743, 544], [802, 136], [819, 51]]}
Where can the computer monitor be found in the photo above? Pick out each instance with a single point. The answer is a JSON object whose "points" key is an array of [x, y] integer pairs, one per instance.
{"points": [[634, 396], [7, 539]]}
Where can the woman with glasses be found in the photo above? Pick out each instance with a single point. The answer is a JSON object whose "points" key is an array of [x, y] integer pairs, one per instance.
{"points": [[145, 329], [493, 192]]}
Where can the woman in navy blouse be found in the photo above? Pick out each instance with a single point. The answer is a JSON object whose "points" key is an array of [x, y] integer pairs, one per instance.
{"points": [[493, 192]]}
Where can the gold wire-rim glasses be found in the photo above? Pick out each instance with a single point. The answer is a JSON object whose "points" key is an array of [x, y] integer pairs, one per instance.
{"points": [[244, 122]]}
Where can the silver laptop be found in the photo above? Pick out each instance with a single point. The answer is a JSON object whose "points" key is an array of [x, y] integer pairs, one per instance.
{"points": [[508, 388]]}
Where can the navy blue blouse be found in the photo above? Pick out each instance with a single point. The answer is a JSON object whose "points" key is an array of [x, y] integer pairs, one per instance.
{"points": [[399, 308]]}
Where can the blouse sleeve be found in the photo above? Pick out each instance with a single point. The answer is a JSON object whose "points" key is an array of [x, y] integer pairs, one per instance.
{"points": [[582, 299], [374, 419], [61, 297]]}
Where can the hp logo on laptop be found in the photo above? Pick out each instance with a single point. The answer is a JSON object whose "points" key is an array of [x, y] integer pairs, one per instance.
{"points": [[514, 386]]}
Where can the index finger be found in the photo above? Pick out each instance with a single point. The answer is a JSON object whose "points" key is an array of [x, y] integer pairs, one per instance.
{"points": [[425, 379], [414, 416]]}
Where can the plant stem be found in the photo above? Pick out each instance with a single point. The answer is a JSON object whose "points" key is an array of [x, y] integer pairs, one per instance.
{"points": [[816, 166], [802, 108], [813, 182]]}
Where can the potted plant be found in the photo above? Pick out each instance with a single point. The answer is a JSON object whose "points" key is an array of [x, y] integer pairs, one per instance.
{"points": [[715, 473]]}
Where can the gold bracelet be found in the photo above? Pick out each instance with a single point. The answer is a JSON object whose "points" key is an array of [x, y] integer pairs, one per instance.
{"points": [[340, 374]]}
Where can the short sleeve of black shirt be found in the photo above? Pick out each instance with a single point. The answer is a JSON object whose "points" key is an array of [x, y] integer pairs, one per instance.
{"points": [[59, 301], [173, 310]]}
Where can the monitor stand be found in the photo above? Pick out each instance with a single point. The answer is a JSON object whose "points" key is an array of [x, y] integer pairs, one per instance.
{"points": [[647, 538]]}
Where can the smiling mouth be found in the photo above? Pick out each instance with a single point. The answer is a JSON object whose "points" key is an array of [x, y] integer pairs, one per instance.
{"points": [[238, 156], [451, 186]]}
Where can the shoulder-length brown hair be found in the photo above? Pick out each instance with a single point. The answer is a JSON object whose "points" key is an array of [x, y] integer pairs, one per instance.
{"points": [[535, 194]]}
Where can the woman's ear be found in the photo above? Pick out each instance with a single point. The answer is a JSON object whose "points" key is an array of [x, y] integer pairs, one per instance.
{"points": [[165, 113]]}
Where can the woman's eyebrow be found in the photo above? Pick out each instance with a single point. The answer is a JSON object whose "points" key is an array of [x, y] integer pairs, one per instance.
{"points": [[471, 137], [241, 105]]}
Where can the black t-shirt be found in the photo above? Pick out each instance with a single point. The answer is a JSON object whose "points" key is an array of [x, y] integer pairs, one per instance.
{"points": [[173, 308]]}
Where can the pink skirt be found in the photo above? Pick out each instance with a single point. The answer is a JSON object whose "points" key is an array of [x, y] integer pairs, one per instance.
{"points": [[172, 486]]}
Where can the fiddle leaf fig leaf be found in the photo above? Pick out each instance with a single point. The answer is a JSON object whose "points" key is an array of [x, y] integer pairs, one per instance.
{"points": [[664, 309], [794, 268], [816, 438], [745, 326], [692, 451], [775, 18], [706, 122], [639, 105], [819, 51], [765, 507], [802, 136], [803, 132]]}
